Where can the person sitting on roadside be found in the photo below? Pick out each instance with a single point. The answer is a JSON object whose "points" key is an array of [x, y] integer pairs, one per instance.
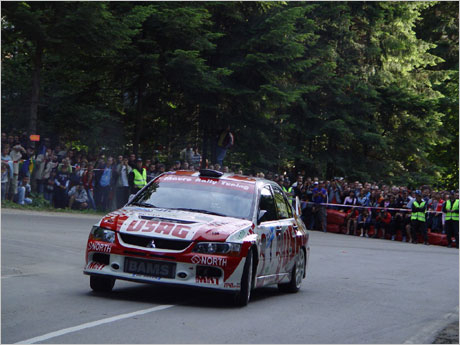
{"points": [[78, 198], [24, 189]]}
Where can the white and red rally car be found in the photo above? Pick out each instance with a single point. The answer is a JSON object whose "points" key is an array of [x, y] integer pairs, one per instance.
{"points": [[202, 229]]}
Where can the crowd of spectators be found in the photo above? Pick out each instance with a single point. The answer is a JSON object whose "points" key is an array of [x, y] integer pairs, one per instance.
{"points": [[386, 208], [69, 178]]}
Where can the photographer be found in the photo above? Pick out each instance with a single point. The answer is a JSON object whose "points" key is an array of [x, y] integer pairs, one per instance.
{"points": [[123, 171], [78, 198]]}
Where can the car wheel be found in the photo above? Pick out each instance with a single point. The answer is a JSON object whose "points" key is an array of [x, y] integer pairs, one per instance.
{"points": [[297, 274], [101, 284], [242, 297]]}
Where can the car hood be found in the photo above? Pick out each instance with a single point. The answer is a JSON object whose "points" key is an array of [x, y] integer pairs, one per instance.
{"points": [[173, 224]]}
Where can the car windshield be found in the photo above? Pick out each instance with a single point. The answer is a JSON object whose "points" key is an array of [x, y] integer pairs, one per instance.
{"points": [[199, 194]]}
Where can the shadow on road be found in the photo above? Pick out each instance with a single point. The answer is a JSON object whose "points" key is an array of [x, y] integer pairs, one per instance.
{"points": [[184, 296]]}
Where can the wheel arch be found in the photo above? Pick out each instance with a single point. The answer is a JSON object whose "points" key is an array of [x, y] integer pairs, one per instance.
{"points": [[305, 260]]}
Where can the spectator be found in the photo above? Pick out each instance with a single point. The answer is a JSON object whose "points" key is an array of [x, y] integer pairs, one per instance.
{"points": [[6, 159], [437, 220], [160, 169], [364, 222], [88, 180], [61, 184], [351, 212], [320, 197], [196, 158], [451, 211], [75, 176], [151, 173], [138, 177], [16, 153], [186, 154], [39, 170], [78, 198], [225, 140], [288, 190], [132, 160], [418, 218], [396, 217], [27, 165], [123, 171], [106, 183], [4, 139], [383, 221], [48, 192], [297, 187], [334, 192], [5, 179], [176, 166], [24, 189]]}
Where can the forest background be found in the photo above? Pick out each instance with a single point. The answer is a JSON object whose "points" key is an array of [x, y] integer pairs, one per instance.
{"points": [[365, 90]]}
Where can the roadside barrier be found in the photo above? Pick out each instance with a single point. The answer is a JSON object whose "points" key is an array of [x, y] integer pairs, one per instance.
{"points": [[336, 223]]}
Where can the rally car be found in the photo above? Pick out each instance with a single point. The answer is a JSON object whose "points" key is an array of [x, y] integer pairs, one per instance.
{"points": [[204, 229]]}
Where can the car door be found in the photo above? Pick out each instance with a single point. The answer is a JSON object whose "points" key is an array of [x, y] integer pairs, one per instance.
{"points": [[267, 229], [285, 230]]}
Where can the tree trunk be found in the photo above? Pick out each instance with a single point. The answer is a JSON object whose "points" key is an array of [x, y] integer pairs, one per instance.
{"points": [[35, 96], [139, 113]]}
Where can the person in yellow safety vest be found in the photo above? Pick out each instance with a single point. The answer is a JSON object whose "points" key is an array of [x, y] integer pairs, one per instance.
{"points": [[137, 177], [288, 190], [418, 218], [450, 208]]}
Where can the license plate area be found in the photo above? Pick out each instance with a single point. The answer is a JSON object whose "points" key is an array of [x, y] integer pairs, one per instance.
{"points": [[150, 268]]}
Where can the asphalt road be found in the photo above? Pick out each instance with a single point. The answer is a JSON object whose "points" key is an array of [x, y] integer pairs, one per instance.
{"points": [[357, 290]]}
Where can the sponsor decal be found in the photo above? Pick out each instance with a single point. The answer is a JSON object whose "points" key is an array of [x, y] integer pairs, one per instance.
{"points": [[246, 187], [177, 178], [166, 228], [232, 285], [209, 260], [99, 247], [207, 280], [149, 269], [95, 266], [206, 181], [235, 185]]}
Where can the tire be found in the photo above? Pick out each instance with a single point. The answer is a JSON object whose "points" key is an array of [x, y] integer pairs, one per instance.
{"points": [[297, 274], [242, 298], [101, 284]]}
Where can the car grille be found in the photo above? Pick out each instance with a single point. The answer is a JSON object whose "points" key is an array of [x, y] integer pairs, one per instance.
{"points": [[160, 243]]}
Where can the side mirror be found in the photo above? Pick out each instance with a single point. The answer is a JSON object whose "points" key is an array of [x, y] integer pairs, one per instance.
{"points": [[261, 215]]}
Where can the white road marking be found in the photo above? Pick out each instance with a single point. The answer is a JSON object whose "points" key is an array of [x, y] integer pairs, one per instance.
{"points": [[430, 330], [92, 324]]}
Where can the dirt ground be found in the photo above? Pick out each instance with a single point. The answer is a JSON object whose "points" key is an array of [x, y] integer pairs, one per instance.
{"points": [[448, 335]]}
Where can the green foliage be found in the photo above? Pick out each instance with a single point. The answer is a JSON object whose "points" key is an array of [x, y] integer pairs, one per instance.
{"points": [[367, 90]]}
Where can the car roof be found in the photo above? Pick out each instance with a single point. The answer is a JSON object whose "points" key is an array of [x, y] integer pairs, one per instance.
{"points": [[225, 176]]}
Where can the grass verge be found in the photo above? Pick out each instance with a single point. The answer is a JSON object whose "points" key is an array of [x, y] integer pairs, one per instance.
{"points": [[41, 204]]}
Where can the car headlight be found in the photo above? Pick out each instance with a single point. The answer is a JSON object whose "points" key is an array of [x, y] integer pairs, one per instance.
{"points": [[217, 248], [104, 235]]}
